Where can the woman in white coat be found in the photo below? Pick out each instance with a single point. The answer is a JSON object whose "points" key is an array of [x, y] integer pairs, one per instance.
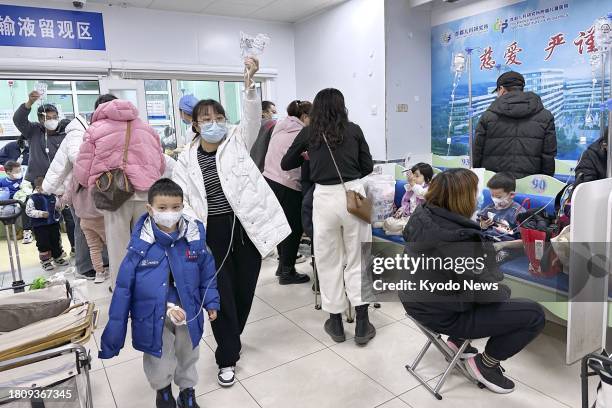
{"points": [[244, 221], [57, 180]]}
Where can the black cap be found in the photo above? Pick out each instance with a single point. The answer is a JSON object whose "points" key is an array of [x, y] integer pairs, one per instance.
{"points": [[510, 79]]}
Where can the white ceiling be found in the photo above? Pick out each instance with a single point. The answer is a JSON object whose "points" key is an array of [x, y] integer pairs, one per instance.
{"points": [[288, 11]]}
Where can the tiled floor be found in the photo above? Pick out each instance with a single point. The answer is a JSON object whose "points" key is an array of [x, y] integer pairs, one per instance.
{"points": [[289, 362]]}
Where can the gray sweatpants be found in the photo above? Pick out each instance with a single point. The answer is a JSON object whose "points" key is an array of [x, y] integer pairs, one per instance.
{"points": [[178, 360]]}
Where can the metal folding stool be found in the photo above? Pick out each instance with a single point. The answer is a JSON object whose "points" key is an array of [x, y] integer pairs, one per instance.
{"points": [[453, 359]]}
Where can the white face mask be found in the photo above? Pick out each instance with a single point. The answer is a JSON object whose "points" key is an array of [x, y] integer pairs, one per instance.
{"points": [[15, 176], [167, 219], [51, 124], [502, 203]]}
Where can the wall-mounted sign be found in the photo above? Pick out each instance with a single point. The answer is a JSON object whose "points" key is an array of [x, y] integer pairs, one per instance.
{"points": [[51, 28]]}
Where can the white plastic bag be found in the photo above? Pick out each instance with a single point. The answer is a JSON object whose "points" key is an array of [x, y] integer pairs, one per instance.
{"points": [[380, 189]]}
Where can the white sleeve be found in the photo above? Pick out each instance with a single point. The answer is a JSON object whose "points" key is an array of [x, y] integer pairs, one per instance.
{"points": [[180, 174], [250, 122], [31, 210]]}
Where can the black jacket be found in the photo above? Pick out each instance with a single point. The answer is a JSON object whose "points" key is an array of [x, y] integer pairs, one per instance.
{"points": [[12, 151], [593, 163], [42, 147], [260, 147], [352, 156], [436, 233], [516, 135]]}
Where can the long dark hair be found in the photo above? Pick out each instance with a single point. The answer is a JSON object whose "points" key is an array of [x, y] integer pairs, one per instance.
{"points": [[328, 117]]}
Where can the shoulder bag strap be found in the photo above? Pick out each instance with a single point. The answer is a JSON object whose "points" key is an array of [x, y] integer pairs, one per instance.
{"points": [[334, 161], [128, 136]]}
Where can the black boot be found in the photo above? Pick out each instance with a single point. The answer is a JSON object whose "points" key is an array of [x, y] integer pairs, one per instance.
{"points": [[164, 398], [187, 399], [334, 327], [364, 330], [290, 276]]}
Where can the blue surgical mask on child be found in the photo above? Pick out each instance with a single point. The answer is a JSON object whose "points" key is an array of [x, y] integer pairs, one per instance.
{"points": [[213, 132]]}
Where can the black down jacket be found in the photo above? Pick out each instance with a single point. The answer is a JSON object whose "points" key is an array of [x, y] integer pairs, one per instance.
{"points": [[593, 163], [516, 135]]}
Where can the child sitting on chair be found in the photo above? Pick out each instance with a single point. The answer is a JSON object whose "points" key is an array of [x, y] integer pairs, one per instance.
{"points": [[19, 189], [165, 282], [44, 210], [498, 220], [418, 178]]}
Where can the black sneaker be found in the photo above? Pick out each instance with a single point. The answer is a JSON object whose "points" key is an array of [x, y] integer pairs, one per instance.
{"points": [[469, 351], [491, 377], [165, 399], [89, 275], [187, 399], [334, 327]]}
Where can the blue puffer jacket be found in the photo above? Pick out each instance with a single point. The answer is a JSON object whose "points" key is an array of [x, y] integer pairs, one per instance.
{"points": [[142, 286]]}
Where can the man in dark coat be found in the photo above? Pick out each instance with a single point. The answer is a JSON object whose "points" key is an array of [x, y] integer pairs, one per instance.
{"points": [[268, 121], [594, 161], [516, 134], [17, 151]]}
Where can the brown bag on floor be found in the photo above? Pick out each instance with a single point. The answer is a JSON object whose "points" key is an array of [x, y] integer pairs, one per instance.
{"points": [[356, 204], [113, 188]]}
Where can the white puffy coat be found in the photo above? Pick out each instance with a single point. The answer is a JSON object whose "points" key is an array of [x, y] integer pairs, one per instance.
{"points": [[59, 174], [247, 192]]}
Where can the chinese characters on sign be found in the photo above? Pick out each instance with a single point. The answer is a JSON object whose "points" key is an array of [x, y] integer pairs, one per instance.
{"points": [[50, 28], [584, 42], [553, 43], [486, 59], [512, 54]]}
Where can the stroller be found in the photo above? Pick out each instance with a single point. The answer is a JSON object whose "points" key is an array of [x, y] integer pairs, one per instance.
{"points": [[601, 365]]}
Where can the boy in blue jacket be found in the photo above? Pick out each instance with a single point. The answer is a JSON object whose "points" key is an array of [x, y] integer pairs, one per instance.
{"points": [[166, 278]]}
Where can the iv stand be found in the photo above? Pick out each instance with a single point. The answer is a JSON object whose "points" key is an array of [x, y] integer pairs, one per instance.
{"points": [[609, 103], [468, 51]]}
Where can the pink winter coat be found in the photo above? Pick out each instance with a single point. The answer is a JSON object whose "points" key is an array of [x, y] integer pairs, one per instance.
{"points": [[104, 141], [282, 138]]}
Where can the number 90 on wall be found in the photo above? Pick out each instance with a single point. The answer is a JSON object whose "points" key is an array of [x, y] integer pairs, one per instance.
{"points": [[538, 185]]}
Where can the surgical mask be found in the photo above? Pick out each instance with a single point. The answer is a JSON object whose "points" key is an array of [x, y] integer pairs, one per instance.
{"points": [[51, 124], [502, 203], [275, 116], [167, 219], [213, 132], [15, 176]]}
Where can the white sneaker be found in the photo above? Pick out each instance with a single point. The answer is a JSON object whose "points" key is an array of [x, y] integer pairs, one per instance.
{"points": [[300, 259], [27, 237], [101, 277], [226, 376]]}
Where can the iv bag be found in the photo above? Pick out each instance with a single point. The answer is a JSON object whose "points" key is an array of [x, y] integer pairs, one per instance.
{"points": [[41, 88], [603, 34], [458, 62], [253, 46]]}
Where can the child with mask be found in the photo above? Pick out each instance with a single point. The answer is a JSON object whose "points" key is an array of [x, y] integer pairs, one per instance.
{"points": [[18, 189], [498, 220], [418, 177], [166, 278], [44, 210]]}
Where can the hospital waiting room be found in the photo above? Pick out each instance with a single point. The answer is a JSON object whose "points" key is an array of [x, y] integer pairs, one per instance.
{"points": [[305, 203]]}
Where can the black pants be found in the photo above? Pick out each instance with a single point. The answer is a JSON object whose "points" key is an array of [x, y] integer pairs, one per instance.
{"points": [[49, 239], [510, 325], [236, 284], [69, 221], [291, 202]]}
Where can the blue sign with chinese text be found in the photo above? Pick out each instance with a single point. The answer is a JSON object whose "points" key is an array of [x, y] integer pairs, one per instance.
{"points": [[51, 28]]}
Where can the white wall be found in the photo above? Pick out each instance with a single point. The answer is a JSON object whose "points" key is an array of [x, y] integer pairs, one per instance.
{"points": [[143, 38], [445, 12], [344, 48], [408, 65]]}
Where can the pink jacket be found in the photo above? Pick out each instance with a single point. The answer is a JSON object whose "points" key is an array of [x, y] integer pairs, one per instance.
{"points": [[104, 140], [282, 138]]}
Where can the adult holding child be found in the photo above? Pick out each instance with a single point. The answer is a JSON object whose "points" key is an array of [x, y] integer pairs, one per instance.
{"points": [[244, 221]]}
